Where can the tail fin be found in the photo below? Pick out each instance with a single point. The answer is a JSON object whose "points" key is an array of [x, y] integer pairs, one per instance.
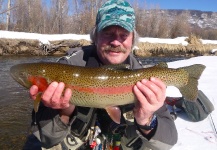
{"points": [[190, 91]]}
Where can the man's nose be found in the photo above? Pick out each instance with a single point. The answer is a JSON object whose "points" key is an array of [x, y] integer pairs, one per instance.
{"points": [[116, 41]]}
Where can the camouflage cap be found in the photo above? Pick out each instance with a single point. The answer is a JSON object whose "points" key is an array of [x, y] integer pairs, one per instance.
{"points": [[116, 12]]}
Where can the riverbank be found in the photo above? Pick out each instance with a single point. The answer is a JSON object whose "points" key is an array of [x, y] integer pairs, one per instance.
{"points": [[19, 43], [36, 47]]}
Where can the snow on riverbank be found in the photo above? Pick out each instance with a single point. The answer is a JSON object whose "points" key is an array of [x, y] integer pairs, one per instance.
{"points": [[56, 37]]}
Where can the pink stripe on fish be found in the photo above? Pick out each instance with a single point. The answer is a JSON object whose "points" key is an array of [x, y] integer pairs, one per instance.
{"points": [[103, 90]]}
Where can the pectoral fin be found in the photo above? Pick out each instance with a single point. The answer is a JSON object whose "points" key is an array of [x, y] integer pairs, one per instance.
{"points": [[114, 113], [42, 85], [37, 101]]}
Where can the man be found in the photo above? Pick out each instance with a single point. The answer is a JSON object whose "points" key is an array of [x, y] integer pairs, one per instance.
{"points": [[58, 121]]}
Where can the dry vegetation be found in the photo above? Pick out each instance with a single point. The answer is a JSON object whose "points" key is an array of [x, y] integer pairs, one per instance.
{"points": [[194, 48], [10, 46], [33, 47]]}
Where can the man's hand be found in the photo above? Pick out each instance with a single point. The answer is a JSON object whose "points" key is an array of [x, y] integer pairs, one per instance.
{"points": [[151, 95], [53, 97]]}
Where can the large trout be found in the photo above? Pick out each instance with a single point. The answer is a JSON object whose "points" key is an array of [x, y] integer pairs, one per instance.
{"points": [[105, 87]]}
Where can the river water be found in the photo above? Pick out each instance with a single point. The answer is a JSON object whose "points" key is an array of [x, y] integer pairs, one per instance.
{"points": [[16, 106]]}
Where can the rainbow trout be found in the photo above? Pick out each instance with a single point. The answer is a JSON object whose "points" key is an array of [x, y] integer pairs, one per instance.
{"points": [[105, 87]]}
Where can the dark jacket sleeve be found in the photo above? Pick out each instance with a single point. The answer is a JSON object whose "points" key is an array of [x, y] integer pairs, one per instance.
{"points": [[49, 128], [164, 137], [166, 131]]}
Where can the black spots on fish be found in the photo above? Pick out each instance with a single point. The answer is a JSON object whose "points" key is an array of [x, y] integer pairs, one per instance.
{"points": [[176, 77], [57, 72], [97, 100], [79, 98]]}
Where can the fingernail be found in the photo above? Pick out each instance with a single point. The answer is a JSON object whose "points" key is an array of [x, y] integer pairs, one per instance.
{"points": [[144, 81], [153, 79], [54, 84], [138, 83]]}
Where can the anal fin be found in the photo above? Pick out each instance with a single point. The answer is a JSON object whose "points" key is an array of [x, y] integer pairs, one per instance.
{"points": [[114, 113]]}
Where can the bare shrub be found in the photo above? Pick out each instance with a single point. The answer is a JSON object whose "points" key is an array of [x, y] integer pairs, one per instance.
{"points": [[180, 25], [193, 39]]}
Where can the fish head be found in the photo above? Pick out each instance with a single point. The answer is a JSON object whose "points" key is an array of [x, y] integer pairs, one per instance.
{"points": [[20, 74], [27, 75]]}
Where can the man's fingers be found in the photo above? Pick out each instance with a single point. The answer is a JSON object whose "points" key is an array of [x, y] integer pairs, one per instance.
{"points": [[159, 83], [144, 87], [153, 92], [139, 94], [58, 93], [33, 92], [47, 95], [54, 96], [159, 88], [66, 97]]}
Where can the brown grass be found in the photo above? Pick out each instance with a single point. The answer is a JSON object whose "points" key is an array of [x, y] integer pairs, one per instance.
{"points": [[194, 48], [31, 47]]}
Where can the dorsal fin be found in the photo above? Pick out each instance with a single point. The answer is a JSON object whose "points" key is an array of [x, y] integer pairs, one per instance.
{"points": [[162, 65], [117, 67]]}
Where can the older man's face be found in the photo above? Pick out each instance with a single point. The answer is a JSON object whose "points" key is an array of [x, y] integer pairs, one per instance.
{"points": [[114, 44]]}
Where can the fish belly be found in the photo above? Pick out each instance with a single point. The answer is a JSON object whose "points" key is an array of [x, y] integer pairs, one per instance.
{"points": [[101, 100]]}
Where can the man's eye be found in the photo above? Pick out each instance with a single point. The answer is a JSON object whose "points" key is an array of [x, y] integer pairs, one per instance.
{"points": [[108, 34], [125, 35]]}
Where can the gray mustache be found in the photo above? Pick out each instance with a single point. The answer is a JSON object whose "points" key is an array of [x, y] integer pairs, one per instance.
{"points": [[114, 49]]}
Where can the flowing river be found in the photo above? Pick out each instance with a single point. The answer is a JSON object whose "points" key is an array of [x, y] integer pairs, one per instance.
{"points": [[16, 106]]}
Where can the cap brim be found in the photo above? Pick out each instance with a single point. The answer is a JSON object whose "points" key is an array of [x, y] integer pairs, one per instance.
{"points": [[115, 22]]}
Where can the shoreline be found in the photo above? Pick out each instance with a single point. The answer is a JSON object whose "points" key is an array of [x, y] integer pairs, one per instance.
{"points": [[35, 47]]}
